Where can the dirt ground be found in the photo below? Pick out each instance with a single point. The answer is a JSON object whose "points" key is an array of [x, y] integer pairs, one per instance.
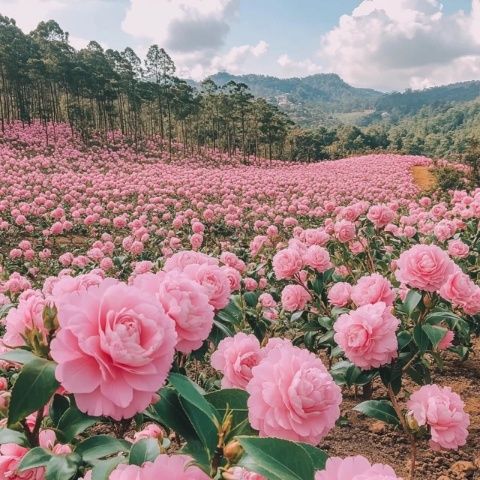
{"points": [[383, 444], [423, 177]]}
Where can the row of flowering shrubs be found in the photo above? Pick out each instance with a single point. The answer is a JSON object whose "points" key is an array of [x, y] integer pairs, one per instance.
{"points": [[128, 357]]}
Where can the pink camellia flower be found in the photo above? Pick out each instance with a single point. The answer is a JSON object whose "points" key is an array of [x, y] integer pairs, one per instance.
{"points": [[443, 411], [152, 430], [174, 467], [318, 258], [286, 263], [458, 249], [185, 302], [367, 335], [447, 341], [239, 473], [266, 300], [339, 294], [233, 276], [345, 231], [235, 357], [292, 395], [67, 284], [180, 260], [460, 290], [24, 319], [425, 267], [380, 215], [250, 284], [355, 468], [372, 289], [114, 348], [215, 282], [11, 455], [294, 297]]}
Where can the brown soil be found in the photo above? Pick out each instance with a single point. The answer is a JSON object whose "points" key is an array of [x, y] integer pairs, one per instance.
{"points": [[383, 444], [423, 178]]}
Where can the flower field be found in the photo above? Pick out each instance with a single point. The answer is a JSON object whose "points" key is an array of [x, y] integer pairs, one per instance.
{"points": [[204, 316]]}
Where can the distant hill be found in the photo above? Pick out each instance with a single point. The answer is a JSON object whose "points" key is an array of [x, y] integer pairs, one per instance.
{"points": [[327, 100], [309, 100]]}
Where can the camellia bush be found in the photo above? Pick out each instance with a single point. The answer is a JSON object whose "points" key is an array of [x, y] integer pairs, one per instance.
{"points": [[192, 321]]}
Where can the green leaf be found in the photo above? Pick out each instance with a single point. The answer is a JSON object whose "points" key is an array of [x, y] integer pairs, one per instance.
{"points": [[236, 402], [296, 316], [421, 339], [411, 302], [435, 334], [19, 355], [404, 338], [59, 406], [192, 393], [62, 467], [12, 436], [318, 457], [103, 468], [380, 410], [251, 299], [276, 459], [169, 413], [36, 457], [146, 450], [33, 388], [100, 446], [73, 422]]}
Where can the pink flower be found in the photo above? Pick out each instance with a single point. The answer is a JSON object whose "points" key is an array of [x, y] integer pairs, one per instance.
{"points": [[67, 284], [239, 473], [214, 281], [380, 215], [185, 302], [250, 284], [447, 341], [355, 468], [180, 260], [286, 263], [367, 335], [126, 472], [443, 411], [172, 467], [235, 357], [292, 396], [460, 290], [294, 297], [150, 431], [114, 348], [318, 258], [234, 277], [372, 289], [25, 319], [425, 267], [339, 294], [267, 301], [458, 249], [11, 455], [345, 231]]}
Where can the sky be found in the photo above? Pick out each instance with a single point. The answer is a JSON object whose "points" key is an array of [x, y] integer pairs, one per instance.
{"points": [[382, 44]]}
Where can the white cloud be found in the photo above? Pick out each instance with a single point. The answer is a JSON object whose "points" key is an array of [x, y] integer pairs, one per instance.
{"points": [[29, 13], [180, 25], [393, 44], [301, 68]]}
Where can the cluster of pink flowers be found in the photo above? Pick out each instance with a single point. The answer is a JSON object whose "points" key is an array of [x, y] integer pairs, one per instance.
{"points": [[442, 411]]}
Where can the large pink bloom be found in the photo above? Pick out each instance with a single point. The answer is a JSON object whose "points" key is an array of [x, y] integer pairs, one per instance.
{"points": [[215, 282], [372, 289], [174, 467], [355, 468], [367, 335], [292, 396], [443, 411], [114, 349], [339, 294], [11, 455], [185, 301], [180, 260], [25, 318], [294, 297], [235, 357], [318, 258], [286, 263], [460, 290], [425, 267]]}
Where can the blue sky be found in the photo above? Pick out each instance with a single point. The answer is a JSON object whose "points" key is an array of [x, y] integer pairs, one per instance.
{"points": [[383, 44]]}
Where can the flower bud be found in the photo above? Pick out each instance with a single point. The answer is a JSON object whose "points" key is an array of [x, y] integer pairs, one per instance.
{"points": [[233, 451], [50, 317], [412, 423]]}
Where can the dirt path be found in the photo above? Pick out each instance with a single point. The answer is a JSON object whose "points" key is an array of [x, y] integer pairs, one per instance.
{"points": [[423, 178]]}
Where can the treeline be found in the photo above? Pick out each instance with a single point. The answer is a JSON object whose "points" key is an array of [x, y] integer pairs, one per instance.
{"points": [[97, 91]]}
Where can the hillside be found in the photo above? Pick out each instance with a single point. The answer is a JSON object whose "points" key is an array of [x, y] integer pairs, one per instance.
{"points": [[311, 100]]}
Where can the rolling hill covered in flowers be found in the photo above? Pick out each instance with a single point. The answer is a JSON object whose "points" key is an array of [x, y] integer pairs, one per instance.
{"points": [[202, 315]]}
